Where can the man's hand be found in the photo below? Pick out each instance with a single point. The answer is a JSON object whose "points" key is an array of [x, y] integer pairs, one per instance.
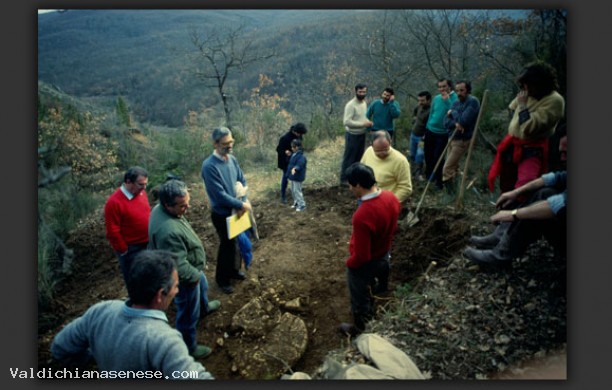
{"points": [[246, 206], [293, 170], [506, 198], [522, 97], [502, 216], [368, 123]]}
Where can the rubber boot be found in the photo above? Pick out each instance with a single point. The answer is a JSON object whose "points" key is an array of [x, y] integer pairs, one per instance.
{"points": [[491, 240], [502, 254]]}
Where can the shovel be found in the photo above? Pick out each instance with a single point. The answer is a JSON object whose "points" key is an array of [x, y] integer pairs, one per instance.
{"points": [[413, 218]]}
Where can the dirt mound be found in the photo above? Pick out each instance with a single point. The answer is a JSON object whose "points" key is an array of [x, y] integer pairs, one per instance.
{"points": [[299, 256]]}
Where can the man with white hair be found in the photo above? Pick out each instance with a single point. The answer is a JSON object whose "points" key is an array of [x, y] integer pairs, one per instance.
{"points": [[220, 172]]}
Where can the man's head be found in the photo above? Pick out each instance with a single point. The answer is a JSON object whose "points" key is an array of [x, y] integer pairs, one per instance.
{"points": [[223, 142], [445, 85], [386, 94], [152, 279], [174, 197], [299, 129], [381, 144], [135, 179], [360, 178], [463, 89], [361, 91], [424, 98], [538, 79]]}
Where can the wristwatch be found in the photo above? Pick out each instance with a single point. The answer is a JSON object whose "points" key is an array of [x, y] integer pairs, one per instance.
{"points": [[514, 215]]}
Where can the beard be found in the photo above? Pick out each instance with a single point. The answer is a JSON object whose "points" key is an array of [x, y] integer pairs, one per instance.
{"points": [[359, 97]]}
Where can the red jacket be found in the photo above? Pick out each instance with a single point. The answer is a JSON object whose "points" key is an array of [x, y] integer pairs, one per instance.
{"points": [[374, 225], [127, 221]]}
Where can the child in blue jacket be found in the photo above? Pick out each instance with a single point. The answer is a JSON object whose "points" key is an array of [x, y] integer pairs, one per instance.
{"points": [[297, 173]]}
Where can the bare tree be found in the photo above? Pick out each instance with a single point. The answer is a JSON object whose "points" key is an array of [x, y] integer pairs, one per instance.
{"points": [[436, 33], [222, 51]]}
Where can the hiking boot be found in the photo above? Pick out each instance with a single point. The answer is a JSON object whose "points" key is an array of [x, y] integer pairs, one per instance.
{"points": [[300, 208], [201, 351], [212, 306], [239, 276], [348, 329], [490, 257]]}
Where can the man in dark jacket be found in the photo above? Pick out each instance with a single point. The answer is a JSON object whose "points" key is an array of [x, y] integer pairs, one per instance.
{"points": [[461, 119], [283, 150]]}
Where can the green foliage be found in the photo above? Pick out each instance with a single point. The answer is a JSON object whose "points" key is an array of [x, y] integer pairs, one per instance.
{"points": [[123, 116]]}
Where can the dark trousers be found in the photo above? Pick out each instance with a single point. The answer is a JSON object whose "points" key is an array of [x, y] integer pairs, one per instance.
{"points": [[354, 146], [361, 284], [226, 256], [522, 233], [125, 260], [434, 146], [284, 183]]}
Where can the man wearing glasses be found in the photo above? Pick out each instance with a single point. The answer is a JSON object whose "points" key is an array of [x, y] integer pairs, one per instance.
{"points": [[126, 216], [220, 172]]}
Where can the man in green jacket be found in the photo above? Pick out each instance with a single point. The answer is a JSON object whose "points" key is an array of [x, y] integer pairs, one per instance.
{"points": [[170, 230]]}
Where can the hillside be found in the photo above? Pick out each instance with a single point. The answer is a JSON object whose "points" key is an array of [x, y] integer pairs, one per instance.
{"points": [[456, 323], [147, 56]]}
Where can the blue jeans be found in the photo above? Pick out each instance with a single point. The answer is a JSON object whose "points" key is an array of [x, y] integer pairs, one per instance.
{"points": [[189, 301], [417, 155]]}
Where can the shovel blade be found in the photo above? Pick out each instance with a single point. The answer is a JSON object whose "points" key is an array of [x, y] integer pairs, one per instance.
{"points": [[411, 219]]}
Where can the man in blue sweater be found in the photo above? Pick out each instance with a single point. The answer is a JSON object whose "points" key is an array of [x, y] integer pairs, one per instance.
{"points": [[383, 111], [460, 119], [220, 172], [134, 336]]}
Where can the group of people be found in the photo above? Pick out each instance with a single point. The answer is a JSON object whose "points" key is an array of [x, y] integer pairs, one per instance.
{"points": [[162, 259], [532, 204]]}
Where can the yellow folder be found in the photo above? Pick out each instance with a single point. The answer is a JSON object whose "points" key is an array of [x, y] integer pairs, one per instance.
{"points": [[236, 225]]}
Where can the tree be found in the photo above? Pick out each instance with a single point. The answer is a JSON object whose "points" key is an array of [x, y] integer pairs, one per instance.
{"points": [[220, 53], [123, 116]]}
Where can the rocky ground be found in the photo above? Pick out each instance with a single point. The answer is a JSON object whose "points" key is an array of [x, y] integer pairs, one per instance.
{"points": [[454, 320]]}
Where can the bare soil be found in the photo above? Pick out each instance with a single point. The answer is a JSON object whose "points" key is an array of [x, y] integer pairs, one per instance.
{"points": [[301, 255]]}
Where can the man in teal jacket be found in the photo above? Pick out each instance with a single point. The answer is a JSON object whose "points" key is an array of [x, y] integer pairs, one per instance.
{"points": [[436, 135], [170, 230], [383, 111]]}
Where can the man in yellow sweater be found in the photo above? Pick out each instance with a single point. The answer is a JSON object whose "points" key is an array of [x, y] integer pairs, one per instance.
{"points": [[391, 168]]}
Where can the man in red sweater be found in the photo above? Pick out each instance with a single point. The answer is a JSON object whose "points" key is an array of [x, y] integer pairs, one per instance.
{"points": [[126, 215], [374, 225]]}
